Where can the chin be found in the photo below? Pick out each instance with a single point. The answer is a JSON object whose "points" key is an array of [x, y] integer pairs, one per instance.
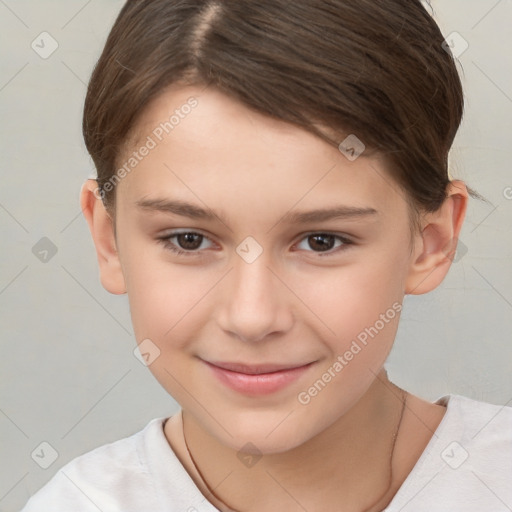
{"points": [[265, 432]]}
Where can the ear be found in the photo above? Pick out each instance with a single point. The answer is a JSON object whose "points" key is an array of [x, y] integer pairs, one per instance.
{"points": [[101, 226], [435, 246]]}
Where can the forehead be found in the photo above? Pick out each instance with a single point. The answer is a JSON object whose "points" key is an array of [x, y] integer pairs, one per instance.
{"points": [[206, 144]]}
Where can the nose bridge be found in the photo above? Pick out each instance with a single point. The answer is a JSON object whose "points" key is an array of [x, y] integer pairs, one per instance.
{"points": [[252, 281], [254, 305]]}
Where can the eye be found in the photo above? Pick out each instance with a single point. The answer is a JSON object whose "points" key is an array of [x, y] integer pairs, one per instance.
{"points": [[326, 242], [187, 242]]}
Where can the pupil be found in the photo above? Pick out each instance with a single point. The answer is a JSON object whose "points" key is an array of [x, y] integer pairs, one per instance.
{"points": [[322, 245]]}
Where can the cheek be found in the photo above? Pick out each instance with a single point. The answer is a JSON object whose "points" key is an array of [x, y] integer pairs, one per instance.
{"points": [[162, 295], [351, 297], [167, 306], [362, 305]]}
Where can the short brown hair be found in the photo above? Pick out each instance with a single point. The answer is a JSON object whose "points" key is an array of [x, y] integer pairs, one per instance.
{"points": [[373, 68]]}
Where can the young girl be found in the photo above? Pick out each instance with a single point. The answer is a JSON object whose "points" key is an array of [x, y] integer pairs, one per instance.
{"points": [[272, 181]]}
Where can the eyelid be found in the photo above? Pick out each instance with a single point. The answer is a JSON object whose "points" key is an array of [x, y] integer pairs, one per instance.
{"points": [[343, 236]]}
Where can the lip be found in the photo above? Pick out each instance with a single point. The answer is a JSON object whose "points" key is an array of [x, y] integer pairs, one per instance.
{"points": [[260, 379]]}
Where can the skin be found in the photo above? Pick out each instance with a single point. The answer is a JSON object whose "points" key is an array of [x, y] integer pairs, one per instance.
{"points": [[292, 305]]}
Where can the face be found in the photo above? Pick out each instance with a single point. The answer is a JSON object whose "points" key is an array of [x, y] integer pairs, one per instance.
{"points": [[265, 268]]}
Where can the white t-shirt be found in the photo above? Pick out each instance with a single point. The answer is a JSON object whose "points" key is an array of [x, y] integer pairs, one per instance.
{"points": [[466, 467]]}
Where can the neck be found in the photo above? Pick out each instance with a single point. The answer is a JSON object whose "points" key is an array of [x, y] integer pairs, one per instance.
{"points": [[357, 448]]}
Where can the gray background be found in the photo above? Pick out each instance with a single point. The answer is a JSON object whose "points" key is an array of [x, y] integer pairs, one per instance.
{"points": [[68, 373]]}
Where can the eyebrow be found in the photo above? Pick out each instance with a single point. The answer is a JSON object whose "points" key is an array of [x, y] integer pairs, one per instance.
{"points": [[184, 209]]}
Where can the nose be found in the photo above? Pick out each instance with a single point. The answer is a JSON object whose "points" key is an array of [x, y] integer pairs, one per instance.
{"points": [[255, 302]]}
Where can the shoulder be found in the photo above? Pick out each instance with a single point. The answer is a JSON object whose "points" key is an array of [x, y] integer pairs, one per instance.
{"points": [[478, 436], [482, 433], [467, 465], [111, 477], [477, 422]]}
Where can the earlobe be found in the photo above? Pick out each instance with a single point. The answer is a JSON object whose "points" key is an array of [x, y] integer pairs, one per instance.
{"points": [[102, 231], [435, 246]]}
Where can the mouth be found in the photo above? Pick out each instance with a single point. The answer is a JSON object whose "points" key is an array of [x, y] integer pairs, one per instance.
{"points": [[261, 379]]}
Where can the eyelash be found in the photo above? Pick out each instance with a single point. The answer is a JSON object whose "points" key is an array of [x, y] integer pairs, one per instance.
{"points": [[166, 241]]}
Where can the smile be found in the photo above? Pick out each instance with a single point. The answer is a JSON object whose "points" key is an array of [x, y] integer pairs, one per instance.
{"points": [[256, 379]]}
